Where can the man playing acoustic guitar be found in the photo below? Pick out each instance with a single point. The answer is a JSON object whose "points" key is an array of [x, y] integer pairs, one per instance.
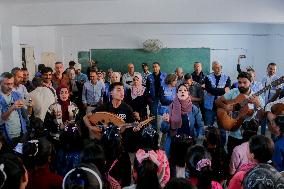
{"points": [[255, 103]]}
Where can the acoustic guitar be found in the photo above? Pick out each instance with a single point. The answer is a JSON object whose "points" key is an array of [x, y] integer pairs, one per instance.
{"points": [[105, 118], [231, 121]]}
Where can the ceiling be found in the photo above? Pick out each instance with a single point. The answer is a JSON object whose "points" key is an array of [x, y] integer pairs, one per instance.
{"points": [[43, 1]]}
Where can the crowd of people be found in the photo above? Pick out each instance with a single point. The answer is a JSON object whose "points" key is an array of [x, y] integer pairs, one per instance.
{"points": [[48, 139]]}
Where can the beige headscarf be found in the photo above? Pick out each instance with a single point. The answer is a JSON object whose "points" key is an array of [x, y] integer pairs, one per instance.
{"points": [[139, 89]]}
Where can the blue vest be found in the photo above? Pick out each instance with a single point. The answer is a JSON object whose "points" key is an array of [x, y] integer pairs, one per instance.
{"points": [[15, 96], [152, 84], [166, 99], [209, 99]]}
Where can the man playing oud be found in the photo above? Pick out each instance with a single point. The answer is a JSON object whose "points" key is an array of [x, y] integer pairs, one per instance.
{"points": [[255, 103], [115, 106]]}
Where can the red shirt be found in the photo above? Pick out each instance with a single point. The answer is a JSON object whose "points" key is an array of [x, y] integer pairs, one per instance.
{"points": [[42, 178]]}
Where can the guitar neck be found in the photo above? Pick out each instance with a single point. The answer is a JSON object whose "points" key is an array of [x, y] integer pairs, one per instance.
{"points": [[262, 90], [272, 84]]}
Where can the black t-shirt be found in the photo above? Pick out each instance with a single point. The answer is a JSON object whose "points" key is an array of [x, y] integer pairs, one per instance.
{"points": [[124, 111]]}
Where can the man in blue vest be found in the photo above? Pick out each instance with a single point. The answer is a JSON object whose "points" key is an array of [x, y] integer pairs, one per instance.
{"points": [[216, 84], [153, 86], [12, 121]]}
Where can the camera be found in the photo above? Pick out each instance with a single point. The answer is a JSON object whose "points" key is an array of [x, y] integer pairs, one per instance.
{"points": [[243, 56]]}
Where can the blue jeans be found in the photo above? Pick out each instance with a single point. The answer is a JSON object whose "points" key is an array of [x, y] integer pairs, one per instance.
{"points": [[154, 112], [210, 117]]}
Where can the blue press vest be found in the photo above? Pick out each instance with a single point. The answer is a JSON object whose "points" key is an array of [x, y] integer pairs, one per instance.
{"points": [[209, 99], [166, 99], [152, 84], [16, 96]]}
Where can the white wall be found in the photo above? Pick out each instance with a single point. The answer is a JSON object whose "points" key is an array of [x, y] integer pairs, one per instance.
{"points": [[142, 11], [126, 23], [41, 38], [6, 39], [227, 41], [276, 47]]}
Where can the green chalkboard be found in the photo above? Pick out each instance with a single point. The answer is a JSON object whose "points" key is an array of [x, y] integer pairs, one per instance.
{"points": [[169, 58]]}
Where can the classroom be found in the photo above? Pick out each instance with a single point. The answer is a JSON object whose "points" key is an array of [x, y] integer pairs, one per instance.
{"points": [[132, 94]]}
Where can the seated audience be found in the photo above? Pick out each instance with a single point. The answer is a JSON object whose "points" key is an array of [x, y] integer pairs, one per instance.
{"points": [[37, 155], [261, 151]]}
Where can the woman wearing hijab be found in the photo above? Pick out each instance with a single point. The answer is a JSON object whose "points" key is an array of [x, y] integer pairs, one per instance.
{"points": [[62, 112], [182, 117], [136, 96]]}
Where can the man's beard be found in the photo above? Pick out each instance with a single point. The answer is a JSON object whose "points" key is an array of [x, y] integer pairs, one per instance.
{"points": [[243, 89]]}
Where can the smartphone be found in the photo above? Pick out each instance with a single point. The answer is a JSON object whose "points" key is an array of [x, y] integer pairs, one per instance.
{"points": [[243, 56]]}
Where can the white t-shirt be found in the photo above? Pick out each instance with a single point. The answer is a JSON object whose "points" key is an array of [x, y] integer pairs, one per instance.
{"points": [[42, 98]]}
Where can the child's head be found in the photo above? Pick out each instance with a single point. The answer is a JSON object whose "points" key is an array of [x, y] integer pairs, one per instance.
{"points": [[179, 145], [37, 128], [261, 148], [12, 172], [149, 139], [145, 171], [37, 152], [111, 142], [263, 176], [85, 176], [249, 129], [199, 165], [94, 153], [179, 183], [70, 138], [212, 138]]}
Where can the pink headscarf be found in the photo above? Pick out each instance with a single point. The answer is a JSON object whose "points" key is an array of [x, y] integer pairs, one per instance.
{"points": [[159, 158], [177, 109], [139, 89]]}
